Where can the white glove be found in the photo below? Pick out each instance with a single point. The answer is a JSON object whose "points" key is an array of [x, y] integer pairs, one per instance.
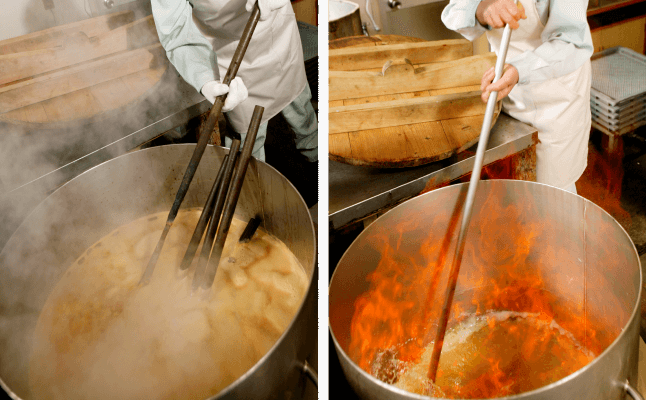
{"points": [[237, 93], [266, 6]]}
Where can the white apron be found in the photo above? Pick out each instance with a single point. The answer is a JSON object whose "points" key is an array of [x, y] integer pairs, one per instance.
{"points": [[558, 108], [272, 68]]}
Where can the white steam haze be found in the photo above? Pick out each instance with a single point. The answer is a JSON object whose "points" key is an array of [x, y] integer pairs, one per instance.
{"points": [[35, 159], [20, 17], [34, 156]]}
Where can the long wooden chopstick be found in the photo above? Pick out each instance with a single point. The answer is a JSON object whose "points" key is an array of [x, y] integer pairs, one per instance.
{"points": [[205, 217], [232, 198], [212, 119], [214, 224]]}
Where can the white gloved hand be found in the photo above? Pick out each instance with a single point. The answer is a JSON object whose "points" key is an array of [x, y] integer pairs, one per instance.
{"points": [[237, 93], [266, 6]]}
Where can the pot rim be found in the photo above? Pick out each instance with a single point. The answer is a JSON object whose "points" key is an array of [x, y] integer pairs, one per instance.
{"points": [[261, 361], [520, 396]]}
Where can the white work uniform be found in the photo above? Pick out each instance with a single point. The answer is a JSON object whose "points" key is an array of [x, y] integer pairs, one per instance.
{"points": [[272, 68], [558, 107], [201, 36]]}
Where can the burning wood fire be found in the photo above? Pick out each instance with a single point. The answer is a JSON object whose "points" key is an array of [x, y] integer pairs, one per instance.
{"points": [[513, 327]]}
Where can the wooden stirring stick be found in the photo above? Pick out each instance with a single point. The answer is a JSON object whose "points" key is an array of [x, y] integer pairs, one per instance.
{"points": [[205, 217], [468, 208], [217, 212], [212, 119], [250, 229], [232, 198]]}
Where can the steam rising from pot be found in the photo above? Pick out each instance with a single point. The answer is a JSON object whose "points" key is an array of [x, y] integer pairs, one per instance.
{"points": [[41, 152]]}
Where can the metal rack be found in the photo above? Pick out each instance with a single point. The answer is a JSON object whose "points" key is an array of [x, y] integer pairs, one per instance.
{"points": [[618, 92]]}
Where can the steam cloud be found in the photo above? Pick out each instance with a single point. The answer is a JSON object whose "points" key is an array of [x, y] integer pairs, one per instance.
{"points": [[36, 159]]}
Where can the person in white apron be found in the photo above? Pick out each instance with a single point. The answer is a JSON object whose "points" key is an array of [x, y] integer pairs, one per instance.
{"points": [[548, 76], [200, 38]]}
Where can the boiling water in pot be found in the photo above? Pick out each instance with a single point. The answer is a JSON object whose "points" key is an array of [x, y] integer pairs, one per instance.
{"points": [[493, 355], [99, 336]]}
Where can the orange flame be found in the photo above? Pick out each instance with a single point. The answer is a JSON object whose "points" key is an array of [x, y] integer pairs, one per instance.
{"points": [[602, 180], [394, 296]]}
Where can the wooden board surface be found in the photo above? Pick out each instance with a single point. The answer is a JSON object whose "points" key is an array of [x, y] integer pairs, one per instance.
{"points": [[409, 128], [83, 76], [61, 35], [90, 102], [377, 40], [463, 72], [28, 64], [79, 70], [357, 58], [386, 114]]}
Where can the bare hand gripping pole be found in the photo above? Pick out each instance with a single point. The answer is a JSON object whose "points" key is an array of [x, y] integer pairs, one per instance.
{"points": [[212, 119], [468, 207]]}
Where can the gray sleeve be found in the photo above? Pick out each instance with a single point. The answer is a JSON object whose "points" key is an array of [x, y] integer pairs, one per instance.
{"points": [[186, 48]]}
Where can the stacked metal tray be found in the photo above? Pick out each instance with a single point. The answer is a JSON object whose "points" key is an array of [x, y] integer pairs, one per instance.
{"points": [[618, 92]]}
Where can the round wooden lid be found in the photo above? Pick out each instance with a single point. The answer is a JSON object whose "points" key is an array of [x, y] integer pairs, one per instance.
{"points": [[79, 71], [423, 107]]}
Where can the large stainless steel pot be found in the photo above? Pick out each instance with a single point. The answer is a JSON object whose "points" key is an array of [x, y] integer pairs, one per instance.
{"points": [[121, 190], [588, 263]]}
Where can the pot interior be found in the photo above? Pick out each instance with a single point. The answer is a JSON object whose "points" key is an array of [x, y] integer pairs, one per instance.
{"points": [[112, 194], [530, 248]]}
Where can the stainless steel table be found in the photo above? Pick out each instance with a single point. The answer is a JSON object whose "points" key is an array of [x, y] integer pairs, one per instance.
{"points": [[356, 193]]}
